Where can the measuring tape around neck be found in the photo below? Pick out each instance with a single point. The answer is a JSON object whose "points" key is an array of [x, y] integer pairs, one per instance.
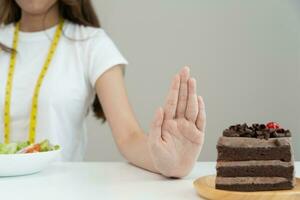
{"points": [[8, 89]]}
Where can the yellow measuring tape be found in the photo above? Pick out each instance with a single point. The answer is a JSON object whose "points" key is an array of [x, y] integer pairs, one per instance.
{"points": [[8, 89]]}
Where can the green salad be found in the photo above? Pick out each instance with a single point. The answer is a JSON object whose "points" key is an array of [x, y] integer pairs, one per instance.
{"points": [[26, 147]]}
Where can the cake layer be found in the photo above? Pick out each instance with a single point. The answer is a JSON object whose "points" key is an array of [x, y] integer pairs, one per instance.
{"points": [[254, 183], [242, 149], [244, 142], [254, 168]]}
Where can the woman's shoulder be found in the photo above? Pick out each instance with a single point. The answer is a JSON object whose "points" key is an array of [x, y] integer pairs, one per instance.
{"points": [[81, 32]]}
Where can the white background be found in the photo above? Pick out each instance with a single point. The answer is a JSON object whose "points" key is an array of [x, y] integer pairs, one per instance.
{"points": [[244, 55]]}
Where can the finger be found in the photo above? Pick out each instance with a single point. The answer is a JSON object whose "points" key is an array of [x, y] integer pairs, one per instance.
{"points": [[172, 99], [192, 108], [183, 92], [155, 131], [201, 118]]}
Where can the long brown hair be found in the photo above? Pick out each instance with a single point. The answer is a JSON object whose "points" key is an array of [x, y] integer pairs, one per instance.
{"points": [[77, 11]]}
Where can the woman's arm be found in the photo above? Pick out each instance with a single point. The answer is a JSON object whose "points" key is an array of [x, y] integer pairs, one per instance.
{"points": [[177, 131], [128, 135]]}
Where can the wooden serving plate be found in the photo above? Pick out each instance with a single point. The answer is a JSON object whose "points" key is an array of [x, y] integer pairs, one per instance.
{"points": [[205, 187]]}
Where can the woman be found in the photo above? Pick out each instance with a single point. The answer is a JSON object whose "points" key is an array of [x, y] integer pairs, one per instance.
{"points": [[55, 59]]}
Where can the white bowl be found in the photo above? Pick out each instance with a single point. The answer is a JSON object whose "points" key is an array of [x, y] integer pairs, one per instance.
{"points": [[23, 164]]}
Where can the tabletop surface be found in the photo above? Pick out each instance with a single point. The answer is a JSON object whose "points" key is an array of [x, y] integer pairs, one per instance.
{"points": [[103, 180]]}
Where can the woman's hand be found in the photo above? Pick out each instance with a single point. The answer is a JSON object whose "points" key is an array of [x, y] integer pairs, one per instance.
{"points": [[177, 132]]}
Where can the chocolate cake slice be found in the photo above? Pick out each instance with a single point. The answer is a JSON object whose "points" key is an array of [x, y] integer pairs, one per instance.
{"points": [[255, 158]]}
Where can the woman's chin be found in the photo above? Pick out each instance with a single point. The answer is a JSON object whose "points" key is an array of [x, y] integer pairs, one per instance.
{"points": [[35, 7]]}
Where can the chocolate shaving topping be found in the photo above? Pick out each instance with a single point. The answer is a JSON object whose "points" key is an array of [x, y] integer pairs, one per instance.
{"points": [[260, 131]]}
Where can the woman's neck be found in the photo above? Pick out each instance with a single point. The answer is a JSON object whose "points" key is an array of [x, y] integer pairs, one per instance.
{"points": [[38, 22]]}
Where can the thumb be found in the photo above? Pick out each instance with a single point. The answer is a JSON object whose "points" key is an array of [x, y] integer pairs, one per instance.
{"points": [[155, 131]]}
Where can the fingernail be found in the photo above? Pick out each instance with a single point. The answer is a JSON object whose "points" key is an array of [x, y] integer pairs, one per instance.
{"points": [[185, 71], [160, 110], [192, 80], [176, 78], [187, 68]]}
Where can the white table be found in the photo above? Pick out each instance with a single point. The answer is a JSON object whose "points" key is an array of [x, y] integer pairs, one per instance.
{"points": [[102, 180]]}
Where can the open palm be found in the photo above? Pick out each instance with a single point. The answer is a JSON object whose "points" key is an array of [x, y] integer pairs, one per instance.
{"points": [[177, 132]]}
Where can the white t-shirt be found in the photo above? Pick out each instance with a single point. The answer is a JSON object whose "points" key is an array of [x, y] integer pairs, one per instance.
{"points": [[68, 87]]}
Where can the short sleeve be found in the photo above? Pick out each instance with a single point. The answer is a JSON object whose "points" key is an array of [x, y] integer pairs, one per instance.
{"points": [[103, 54]]}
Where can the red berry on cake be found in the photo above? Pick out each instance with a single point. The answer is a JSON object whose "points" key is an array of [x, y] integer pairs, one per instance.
{"points": [[273, 125]]}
